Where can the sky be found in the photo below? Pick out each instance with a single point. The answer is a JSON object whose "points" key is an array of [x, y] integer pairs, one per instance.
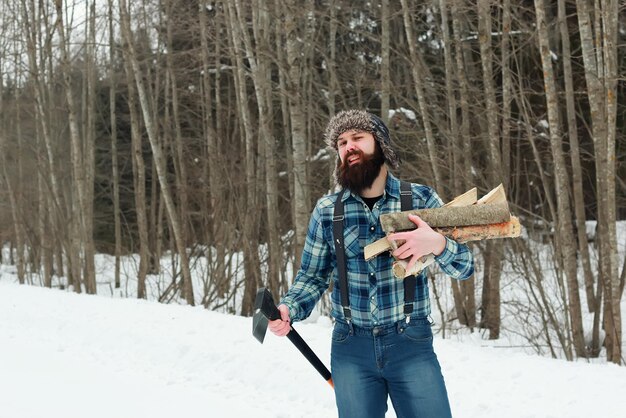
{"points": [[68, 355]]}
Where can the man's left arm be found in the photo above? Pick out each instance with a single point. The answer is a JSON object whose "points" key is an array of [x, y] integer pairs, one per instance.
{"points": [[455, 259]]}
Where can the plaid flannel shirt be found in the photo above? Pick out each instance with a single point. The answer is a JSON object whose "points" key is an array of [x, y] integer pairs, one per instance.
{"points": [[376, 297]]}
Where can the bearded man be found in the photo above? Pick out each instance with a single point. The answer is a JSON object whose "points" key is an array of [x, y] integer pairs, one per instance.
{"points": [[382, 342]]}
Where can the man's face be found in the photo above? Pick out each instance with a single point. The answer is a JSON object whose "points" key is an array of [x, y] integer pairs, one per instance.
{"points": [[360, 160], [350, 141]]}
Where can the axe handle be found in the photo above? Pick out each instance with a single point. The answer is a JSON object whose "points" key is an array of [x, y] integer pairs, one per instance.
{"points": [[264, 304], [306, 351]]}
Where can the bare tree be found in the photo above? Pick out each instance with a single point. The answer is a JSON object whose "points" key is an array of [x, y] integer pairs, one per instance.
{"points": [[262, 73], [418, 84], [139, 181], [250, 220], [115, 177], [293, 76], [38, 32], [89, 133], [464, 96], [173, 103], [18, 226], [577, 180], [463, 293], [81, 160], [599, 58], [565, 240], [493, 254], [217, 230], [506, 93], [385, 65], [159, 160]]}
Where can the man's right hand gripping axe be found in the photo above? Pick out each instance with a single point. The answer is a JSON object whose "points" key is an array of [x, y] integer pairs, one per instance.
{"points": [[265, 310]]}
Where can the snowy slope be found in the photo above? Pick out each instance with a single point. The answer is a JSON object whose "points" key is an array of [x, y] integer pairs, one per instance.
{"points": [[75, 356]]}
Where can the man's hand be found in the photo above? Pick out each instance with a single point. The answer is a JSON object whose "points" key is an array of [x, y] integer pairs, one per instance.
{"points": [[281, 327], [418, 242]]}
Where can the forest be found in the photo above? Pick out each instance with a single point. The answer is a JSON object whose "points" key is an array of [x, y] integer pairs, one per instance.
{"points": [[193, 129]]}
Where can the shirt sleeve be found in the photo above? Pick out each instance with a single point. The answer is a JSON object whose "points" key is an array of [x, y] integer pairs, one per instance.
{"points": [[456, 260], [313, 278]]}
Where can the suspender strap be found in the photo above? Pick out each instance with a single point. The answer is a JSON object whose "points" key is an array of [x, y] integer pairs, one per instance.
{"points": [[340, 253], [406, 203]]}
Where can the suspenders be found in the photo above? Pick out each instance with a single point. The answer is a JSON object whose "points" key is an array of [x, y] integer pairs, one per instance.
{"points": [[406, 203], [340, 252]]}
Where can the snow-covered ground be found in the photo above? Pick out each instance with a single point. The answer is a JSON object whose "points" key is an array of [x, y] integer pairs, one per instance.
{"points": [[73, 356]]}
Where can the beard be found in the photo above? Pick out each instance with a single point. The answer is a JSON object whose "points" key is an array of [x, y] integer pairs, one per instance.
{"points": [[361, 175]]}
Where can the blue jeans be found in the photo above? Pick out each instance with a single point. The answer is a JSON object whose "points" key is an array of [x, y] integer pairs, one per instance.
{"points": [[398, 360]]}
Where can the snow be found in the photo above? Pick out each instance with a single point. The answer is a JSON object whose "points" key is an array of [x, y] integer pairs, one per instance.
{"points": [[554, 56], [543, 123], [408, 113], [68, 355], [321, 155]]}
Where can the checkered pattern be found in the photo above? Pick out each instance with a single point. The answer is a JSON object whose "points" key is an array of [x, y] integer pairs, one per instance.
{"points": [[376, 296]]}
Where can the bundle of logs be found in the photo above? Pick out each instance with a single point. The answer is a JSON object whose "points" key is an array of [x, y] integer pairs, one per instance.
{"points": [[465, 218]]}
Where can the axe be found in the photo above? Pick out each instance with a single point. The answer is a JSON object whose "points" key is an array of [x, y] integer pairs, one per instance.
{"points": [[265, 310]]}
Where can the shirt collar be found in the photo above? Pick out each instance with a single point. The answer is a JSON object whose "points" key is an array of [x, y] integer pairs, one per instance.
{"points": [[392, 188]]}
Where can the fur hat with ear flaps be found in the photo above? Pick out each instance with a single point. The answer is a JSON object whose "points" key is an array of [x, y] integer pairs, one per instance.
{"points": [[360, 120]]}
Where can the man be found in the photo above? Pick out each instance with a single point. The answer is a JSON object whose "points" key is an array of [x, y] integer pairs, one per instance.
{"points": [[382, 339]]}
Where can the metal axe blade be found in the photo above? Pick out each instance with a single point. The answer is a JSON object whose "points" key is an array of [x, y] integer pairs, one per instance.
{"points": [[264, 311], [259, 326]]}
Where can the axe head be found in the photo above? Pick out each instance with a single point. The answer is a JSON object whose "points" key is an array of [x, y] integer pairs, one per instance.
{"points": [[265, 310]]}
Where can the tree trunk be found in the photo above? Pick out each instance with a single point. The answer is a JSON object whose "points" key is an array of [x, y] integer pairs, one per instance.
{"points": [[506, 94], [139, 182], [155, 232], [286, 135], [385, 65], [79, 234], [159, 160], [115, 180], [593, 64], [609, 15], [577, 175], [465, 138], [298, 128], [564, 226], [486, 56], [32, 26], [250, 221], [15, 210], [463, 145], [453, 124], [89, 135], [334, 89], [217, 205], [491, 285], [180, 165], [263, 80], [418, 84]]}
